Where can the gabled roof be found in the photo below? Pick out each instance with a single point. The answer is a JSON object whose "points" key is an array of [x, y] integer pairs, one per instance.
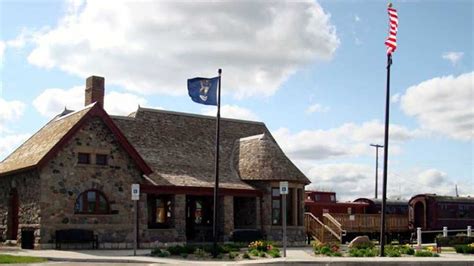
{"points": [[44, 144], [180, 147], [260, 158]]}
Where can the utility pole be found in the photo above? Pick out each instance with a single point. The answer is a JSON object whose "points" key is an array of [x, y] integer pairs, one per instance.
{"points": [[377, 146]]}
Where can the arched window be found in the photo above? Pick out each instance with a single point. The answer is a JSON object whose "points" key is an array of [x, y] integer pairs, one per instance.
{"points": [[91, 202]]}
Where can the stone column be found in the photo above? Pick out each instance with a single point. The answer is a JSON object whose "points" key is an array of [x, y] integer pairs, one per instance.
{"points": [[294, 206], [228, 213], [180, 216]]}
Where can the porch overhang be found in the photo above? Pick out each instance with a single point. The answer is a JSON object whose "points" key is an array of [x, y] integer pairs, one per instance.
{"points": [[198, 191]]}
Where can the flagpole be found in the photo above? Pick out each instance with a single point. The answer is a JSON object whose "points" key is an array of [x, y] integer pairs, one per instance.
{"points": [[385, 156], [216, 181]]}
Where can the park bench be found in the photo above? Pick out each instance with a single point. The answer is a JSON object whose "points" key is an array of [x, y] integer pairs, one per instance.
{"points": [[246, 235], [68, 236]]}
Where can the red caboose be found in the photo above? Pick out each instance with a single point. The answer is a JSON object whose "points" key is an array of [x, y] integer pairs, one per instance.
{"points": [[319, 202]]}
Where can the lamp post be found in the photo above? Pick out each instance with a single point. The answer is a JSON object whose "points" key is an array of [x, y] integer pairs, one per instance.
{"points": [[377, 146]]}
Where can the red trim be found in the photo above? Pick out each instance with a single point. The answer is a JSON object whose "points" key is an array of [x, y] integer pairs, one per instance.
{"points": [[198, 191], [97, 111]]}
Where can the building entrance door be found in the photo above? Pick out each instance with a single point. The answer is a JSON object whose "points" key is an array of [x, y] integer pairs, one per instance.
{"points": [[199, 211], [12, 218]]}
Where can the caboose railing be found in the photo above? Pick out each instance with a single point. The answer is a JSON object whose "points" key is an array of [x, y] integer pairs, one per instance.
{"points": [[371, 222], [319, 230], [334, 225]]}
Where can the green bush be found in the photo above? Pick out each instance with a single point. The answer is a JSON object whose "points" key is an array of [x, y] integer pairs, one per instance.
{"points": [[246, 255], [407, 250], [200, 253], [363, 252], [425, 253], [254, 252], [233, 255], [465, 249], [178, 249], [262, 254], [156, 252], [274, 253], [451, 241], [184, 255]]}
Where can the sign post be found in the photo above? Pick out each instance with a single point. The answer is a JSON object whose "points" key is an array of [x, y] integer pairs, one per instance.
{"points": [[284, 192], [135, 198]]}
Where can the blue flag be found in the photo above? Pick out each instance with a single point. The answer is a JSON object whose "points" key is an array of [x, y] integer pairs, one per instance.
{"points": [[203, 90]]}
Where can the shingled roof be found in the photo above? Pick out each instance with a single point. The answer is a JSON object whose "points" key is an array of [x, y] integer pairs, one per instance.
{"points": [[44, 143], [180, 147], [260, 158]]}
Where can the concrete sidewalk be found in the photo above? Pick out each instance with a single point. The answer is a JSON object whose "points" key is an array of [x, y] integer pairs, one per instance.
{"points": [[295, 256]]}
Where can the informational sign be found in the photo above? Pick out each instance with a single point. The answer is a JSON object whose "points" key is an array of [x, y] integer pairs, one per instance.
{"points": [[351, 217], [135, 191], [284, 187]]}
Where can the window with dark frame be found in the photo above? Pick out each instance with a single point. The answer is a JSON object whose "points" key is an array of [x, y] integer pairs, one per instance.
{"points": [[160, 211], [83, 158], [91, 202], [101, 159], [276, 206]]}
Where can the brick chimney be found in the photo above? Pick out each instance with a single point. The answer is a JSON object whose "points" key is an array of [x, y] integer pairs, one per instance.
{"points": [[95, 90]]}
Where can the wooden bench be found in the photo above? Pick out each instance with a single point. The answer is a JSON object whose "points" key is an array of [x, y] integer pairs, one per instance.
{"points": [[68, 236]]}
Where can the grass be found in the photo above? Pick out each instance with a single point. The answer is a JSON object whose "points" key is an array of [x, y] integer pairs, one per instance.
{"points": [[9, 259]]}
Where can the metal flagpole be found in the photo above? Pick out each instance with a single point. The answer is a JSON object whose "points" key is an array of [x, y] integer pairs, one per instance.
{"points": [[385, 157], [216, 181]]}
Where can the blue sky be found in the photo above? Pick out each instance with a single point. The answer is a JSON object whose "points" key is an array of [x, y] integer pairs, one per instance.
{"points": [[314, 72]]}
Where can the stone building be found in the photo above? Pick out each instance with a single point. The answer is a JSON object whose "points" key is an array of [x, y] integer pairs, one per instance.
{"points": [[77, 171]]}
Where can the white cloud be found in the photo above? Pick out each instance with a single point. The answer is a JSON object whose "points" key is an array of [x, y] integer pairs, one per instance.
{"points": [[443, 105], [232, 111], [395, 98], [347, 140], [10, 110], [8, 143], [453, 57], [351, 181], [52, 101], [154, 46], [316, 108], [2, 52]]}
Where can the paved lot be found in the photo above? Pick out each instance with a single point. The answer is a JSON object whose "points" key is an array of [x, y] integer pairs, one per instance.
{"points": [[296, 256]]}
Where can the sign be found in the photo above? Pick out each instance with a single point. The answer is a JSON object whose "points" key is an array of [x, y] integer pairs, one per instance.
{"points": [[135, 191], [284, 187], [352, 217]]}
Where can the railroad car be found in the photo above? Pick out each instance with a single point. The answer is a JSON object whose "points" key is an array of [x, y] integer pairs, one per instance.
{"points": [[393, 206], [433, 212]]}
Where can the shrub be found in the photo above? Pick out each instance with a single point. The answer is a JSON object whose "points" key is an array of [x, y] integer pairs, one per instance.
{"points": [[232, 255], [254, 252], [262, 254], [274, 253], [393, 253], [451, 241], [363, 252], [159, 253], [178, 249], [407, 249], [184, 255], [200, 253], [425, 253], [465, 249], [246, 255]]}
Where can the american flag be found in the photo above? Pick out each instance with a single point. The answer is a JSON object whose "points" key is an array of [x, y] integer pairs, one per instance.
{"points": [[391, 41]]}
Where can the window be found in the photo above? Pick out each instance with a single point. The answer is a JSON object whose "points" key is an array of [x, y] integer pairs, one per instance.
{"points": [[333, 198], [159, 211], [276, 206], [101, 159], [83, 158], [349, 210], [317, 197], [91, 202]]}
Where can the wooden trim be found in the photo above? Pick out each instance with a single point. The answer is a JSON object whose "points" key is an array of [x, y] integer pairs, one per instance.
{"points": [[197, 191]]}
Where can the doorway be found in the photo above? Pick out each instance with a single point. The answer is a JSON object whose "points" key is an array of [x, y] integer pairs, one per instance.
{"points": [[419, 214], [12, 218], [199, 211]]}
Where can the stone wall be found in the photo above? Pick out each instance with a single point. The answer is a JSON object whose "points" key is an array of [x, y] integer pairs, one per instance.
{"points": [[63, 179], [29, 214], [295, 234]]}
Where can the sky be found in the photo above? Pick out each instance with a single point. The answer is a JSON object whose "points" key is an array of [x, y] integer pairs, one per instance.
{"points": [[313, 71]]}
